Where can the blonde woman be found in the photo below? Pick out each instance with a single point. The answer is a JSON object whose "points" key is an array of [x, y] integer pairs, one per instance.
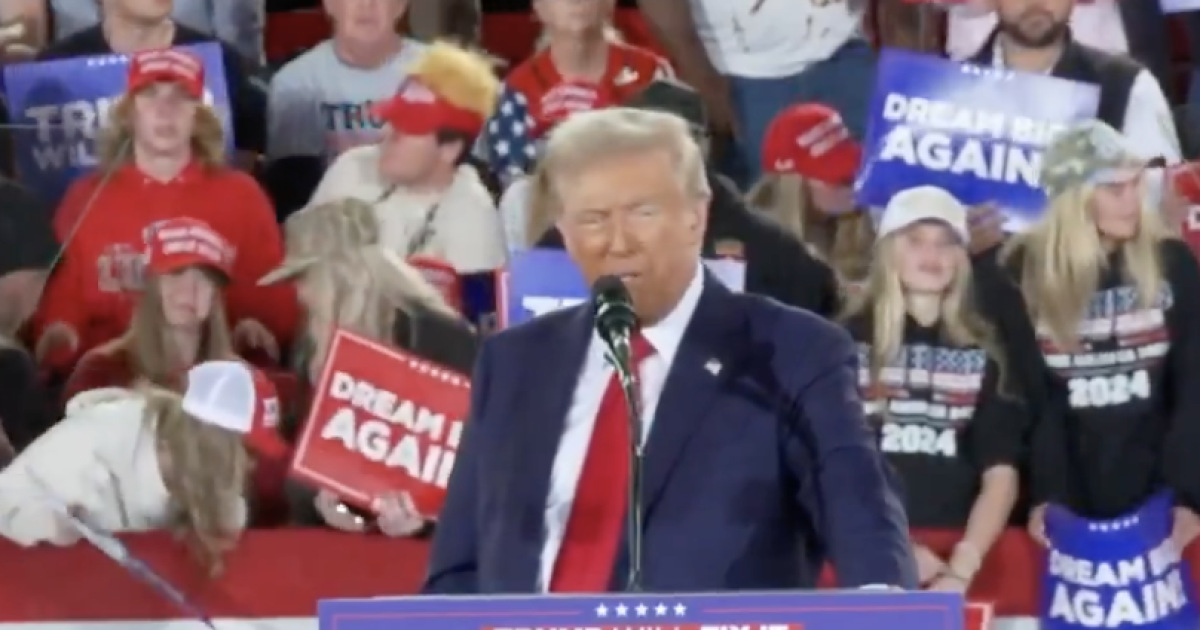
{"points": [[346, 279], [842, 237], [138, 460], [932, 377], [179, 319], [1113, 303], [161, 156]]}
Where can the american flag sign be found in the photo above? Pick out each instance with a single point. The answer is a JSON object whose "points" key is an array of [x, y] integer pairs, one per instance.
{"points": [[509, 136], [799, 610]]}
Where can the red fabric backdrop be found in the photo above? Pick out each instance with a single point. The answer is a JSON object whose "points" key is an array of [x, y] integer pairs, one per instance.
{"points": [[284, 572]]}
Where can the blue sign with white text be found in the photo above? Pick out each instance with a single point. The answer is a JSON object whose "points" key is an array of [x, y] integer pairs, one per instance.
{"points": [[536, 282], [975, 132], [1179, 6], [797, 610], [58, 106], [1121, 573]]}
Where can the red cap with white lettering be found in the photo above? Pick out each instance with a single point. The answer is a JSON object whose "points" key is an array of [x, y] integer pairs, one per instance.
{"points": [[810, 140]]}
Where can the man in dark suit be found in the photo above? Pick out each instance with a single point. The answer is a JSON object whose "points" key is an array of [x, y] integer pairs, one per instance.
{"points": [[759, 462]]}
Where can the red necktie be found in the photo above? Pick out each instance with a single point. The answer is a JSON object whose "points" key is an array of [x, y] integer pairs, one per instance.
{"points": [[589, 548]]}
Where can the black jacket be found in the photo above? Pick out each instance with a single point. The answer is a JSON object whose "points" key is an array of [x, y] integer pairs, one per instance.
{"points": [[1113, 74], [778, 265], [440, 339]]}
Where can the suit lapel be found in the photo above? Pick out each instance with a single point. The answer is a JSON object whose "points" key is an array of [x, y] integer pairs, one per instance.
{"points": [[542, 408], [692, 383]]}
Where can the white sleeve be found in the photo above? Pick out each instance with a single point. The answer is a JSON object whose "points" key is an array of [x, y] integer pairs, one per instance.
{"points": [[338, 180], [294, 116], [514, 213], [1149, 125], [474, 234], [62, 463]]}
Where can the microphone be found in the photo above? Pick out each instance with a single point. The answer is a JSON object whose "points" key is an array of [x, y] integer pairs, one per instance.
{"points": [[616, 322]]}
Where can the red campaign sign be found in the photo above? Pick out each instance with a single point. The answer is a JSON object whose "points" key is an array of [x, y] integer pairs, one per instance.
{"points": [[443, 277], [382, 420]]}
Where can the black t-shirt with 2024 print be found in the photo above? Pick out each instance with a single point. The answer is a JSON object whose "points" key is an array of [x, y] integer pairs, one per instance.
{"points": [[942, 418], [1125, 402]]}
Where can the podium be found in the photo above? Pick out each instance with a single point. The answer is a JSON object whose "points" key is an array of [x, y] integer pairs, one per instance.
{"points": [[799, 610]]}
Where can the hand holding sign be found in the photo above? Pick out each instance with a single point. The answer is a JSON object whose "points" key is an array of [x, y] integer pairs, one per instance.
{"points": [[1125, 572], [383, 421]]}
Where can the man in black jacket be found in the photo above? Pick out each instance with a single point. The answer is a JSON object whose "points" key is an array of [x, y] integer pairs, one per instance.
{"points": [[27, 251]]}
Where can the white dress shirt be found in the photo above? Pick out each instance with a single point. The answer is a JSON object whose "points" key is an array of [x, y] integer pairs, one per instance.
{"points": [[665, 338]]}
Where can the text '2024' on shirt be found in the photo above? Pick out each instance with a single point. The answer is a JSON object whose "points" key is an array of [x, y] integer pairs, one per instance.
{"points": [[1125, 402], [943, 419]]}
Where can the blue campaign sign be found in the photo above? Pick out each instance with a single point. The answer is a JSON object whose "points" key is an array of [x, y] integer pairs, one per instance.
{"points": [[536, 282], [57, 107], [1179, 6], [799, 610], [1120, 573], [975, 132]]}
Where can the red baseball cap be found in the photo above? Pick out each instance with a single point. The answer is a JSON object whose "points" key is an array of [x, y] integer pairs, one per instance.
{"points": [[418, 111], [167, 65], [1185, 179], [236, 397], [175, 244], [811, 140]]}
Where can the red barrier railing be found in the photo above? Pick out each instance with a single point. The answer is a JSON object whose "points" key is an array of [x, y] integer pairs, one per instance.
{"points": [[278, 573]]}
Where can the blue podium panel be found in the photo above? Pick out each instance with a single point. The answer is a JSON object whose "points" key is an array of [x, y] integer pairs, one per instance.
{"points": [[801, 610]]}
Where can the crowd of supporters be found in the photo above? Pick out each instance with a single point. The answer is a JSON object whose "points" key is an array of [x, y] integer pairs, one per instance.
{"points": [[128, 305]]}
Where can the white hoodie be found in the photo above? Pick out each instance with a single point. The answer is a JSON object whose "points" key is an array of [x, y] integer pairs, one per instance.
{"points": [[100, 458]]}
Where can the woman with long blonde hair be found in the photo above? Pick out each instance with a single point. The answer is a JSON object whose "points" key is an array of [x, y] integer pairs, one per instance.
{"points": [[1113, 302], [148, 459], [161, 156], [810, 161], [346, 279], [178, 321], [932, 376]]}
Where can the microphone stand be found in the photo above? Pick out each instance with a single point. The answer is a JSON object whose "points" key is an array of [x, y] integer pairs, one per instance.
{"points": [[621, 360]]}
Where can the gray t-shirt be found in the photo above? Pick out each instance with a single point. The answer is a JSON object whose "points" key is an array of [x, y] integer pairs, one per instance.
{"points": [[320, 106], [237, 22]]}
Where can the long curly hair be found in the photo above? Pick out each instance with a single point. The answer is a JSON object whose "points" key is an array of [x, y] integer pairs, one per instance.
{"points": [[206, 471], [362, 290], [150, 351], [114, 142]]}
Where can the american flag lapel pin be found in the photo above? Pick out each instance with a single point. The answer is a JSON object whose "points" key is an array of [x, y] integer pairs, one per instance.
{"points": [[713, 366]]}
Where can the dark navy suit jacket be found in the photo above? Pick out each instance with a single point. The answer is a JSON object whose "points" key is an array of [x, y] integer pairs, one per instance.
{"points": [[759, 464]]}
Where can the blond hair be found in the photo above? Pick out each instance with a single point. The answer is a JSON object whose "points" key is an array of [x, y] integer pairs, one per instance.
{"points": [[360, 290], [1062, 258], [114, 141], [883, 302], [206, 474], [151, 353], [844, 241], [464, 78], [603, 134]]}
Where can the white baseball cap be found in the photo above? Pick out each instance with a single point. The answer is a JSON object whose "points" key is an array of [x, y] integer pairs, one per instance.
{"points": [[236, 397], [923, 203]]}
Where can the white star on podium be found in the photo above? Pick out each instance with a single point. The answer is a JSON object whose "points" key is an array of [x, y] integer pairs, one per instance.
{"points": [[680, 609], [602, 611], [660, 610], [641, 610], [622, 609]]}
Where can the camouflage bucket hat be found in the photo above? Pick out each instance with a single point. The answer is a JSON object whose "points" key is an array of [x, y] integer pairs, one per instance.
{"points": [[323, 230], [1089, 152]]}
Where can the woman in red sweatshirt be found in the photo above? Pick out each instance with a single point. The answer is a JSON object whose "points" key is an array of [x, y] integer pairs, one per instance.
{"points": [[581, 64], [178, 322], [161, 157]]}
